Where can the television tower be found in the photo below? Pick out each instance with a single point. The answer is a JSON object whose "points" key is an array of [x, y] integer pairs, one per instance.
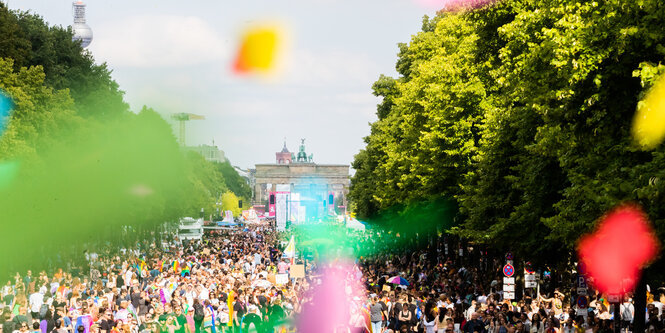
{"points": [[81, 30]]}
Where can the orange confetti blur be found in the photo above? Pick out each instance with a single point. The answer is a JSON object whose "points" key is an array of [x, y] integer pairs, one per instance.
{"points": [[258, 51]]}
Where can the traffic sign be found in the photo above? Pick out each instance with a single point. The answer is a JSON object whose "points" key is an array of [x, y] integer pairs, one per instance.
{"points": [[509, 256], [509, 295], [581, 268], [528, 268], [508, 270], [581, 282], [530, 280], [582, 302], [509, 287], [508, 280], [582, 291]]}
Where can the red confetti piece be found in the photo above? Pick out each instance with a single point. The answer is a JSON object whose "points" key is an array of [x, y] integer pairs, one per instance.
{"points": [[455, 5], [617, 251]]}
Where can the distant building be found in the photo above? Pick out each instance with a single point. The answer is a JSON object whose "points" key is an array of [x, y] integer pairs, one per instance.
{"points": [[284, 156], [210, 153], [242, 173], [312, 190]]}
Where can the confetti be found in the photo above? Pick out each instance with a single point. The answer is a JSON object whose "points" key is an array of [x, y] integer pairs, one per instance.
{"points": [[615, 253], [331, 300], [5, 110], [259, 49], [649, 122], [454, 5]]}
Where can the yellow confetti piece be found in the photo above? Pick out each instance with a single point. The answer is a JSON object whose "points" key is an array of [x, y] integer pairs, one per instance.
{"points": [[649, 123]]}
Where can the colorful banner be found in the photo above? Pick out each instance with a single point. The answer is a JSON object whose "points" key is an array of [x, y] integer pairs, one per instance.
{"points": [[290, 250], [294, 204], [271, 204], [280, 210]]}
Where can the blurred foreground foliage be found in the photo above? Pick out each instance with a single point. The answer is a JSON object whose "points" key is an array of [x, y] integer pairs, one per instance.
{"points": [[78, 170]]}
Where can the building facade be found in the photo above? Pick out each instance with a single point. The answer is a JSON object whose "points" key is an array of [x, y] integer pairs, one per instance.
{"points": [[210, 153], [284, 156], [312, 190]]}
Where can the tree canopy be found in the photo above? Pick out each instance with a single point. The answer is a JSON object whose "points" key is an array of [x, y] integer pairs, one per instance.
{"points": [[78, 169], [230, 202], [520, 112]]}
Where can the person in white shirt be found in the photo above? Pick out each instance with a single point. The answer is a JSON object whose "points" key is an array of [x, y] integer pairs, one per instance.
{"points": [[36, 300], [189, 295], [627, 312], [471, 310], [204, 294], [7, 289], [128, 277], [658, 306]]}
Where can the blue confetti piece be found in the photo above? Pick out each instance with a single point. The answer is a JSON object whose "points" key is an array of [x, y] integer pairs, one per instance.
{"points": [[6, 106]]}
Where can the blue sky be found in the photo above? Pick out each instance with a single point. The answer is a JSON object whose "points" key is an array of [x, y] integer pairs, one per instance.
{"points": [[175, 56]]}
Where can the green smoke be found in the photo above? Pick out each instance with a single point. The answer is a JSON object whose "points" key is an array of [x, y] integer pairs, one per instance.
{"points": [[84, 187]]}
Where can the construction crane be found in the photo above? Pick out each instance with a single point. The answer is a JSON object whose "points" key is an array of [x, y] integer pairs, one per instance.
{"points": [[182, 118]]}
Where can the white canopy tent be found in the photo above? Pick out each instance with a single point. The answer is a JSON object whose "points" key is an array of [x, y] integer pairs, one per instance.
{"points": [[355, 224]]}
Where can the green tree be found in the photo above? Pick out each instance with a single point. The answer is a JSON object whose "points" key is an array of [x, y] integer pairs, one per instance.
{"points": [[230, 202], [236, 183], [30, 41], [78, 170], [207, 183], [521, 113], [40, 114]]}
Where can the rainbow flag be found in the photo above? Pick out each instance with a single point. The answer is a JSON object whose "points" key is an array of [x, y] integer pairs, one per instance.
{"points": [[229, 302], [176, 266], [290, 250], [62, 291], [141, 266], [367, 317]]}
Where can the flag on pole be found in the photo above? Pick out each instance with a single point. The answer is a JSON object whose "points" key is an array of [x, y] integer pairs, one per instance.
{"points": [[290, 250], [162, 296], [366, 316], [142, 266]]}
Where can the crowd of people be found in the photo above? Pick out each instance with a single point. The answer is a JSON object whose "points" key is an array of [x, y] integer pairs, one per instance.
{"points": [[221, 284], [227, 283], [443, 295]]}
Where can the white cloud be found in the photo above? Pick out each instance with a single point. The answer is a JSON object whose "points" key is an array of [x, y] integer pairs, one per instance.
{"points": [[358, 99], [334, 67], [158, 41]]}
